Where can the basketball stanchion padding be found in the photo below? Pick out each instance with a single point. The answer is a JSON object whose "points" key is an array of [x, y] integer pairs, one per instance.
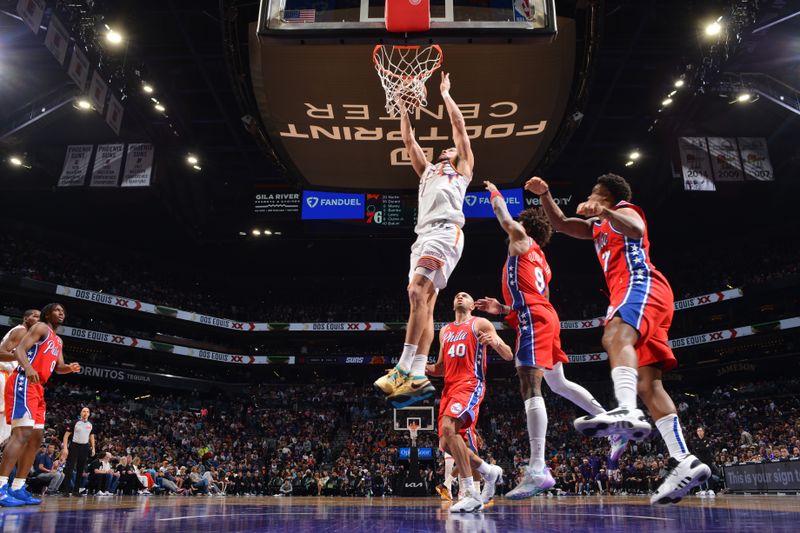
{"points": [[407, 16]]}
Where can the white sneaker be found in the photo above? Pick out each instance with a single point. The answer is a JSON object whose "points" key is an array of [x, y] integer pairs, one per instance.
{"points": [[629, 423], [471, 503], [711, 494], [532, 484], [490, 482], [681, 479], [701, 494]]}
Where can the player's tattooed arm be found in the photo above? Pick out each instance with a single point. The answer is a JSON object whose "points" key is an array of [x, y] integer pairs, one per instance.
{"points": [[572, 226], [488, 336], [518, 239]]}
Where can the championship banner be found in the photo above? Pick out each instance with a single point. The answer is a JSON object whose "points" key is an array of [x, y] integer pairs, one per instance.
{"points": [[695, 164], [107, 164], [32, 12], [78, 68], [57, 40], [76, 164], [98, 91], [114, 115], [138, 165], [725, 159], [755, 159]]}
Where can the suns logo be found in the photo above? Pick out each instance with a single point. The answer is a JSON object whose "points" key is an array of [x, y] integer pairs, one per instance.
{"points": [[446, 169]]}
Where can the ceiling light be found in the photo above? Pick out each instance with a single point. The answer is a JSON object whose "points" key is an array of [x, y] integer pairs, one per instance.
{"points": [[634, 155], [15, 161], [744, 97], [267, 232], [160, 107], [197, 167], [666, 102], [154, 100], [629, 163], [192, 160], [714, 28], [672, 94], [113, 37], [147, 88], [256, 232], [243, 234], [84, 104], [679, 83]]}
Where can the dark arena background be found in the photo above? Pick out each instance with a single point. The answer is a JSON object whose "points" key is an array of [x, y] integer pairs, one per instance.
{"points": [[216, 194]]}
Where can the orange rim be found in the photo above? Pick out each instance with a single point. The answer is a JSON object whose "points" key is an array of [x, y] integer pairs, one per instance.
{"points": [[400, 76]]}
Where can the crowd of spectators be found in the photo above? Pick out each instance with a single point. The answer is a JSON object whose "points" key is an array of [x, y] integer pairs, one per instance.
{"points": [[338, 440]]}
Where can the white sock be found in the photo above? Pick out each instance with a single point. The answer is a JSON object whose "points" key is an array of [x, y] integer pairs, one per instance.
{"points": [[625, 379], [536, 414], [17, 483], [570, 390], [465, 484], [418, 366], [671, 432], [449, 462], [3, 481], [485, 469], [407, 357]]}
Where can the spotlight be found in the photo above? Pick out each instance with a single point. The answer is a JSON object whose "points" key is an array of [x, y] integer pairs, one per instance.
{"points": [[83, 104], [714, 28], [191, 159], [673, 93], [679, 84], [629, 163], [743, 98], [243, 234], [15, 161], [113, 37], [197, 167], [634, 155], [256, 232], [147, 88], [160, 107], [666, 102], [154, 100], [267, 232]]}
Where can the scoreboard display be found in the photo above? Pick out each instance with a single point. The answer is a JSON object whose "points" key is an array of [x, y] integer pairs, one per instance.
{"points": [[391, 210]]}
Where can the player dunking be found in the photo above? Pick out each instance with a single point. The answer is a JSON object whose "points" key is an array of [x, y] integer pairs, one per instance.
{"points": [[8, 363], [462, 361], [526, 279], [636, 325], [435, 253], [39, 355]]}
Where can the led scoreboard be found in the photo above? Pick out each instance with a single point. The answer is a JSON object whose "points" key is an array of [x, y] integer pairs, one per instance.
{"points": [[390, 210]]}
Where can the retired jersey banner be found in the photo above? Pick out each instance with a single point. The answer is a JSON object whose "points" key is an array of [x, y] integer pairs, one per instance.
{"points": [[138, 165], [755, 159], [98, 91], [57, 40], [725, 159], [696, 164], [114, 115], [107, 164], [78, 68], [76, 164], [32, 12]]}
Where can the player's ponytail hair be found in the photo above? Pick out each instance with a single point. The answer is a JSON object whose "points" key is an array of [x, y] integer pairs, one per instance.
{"points": [[47, 309], [536, 225], [617, 186]]}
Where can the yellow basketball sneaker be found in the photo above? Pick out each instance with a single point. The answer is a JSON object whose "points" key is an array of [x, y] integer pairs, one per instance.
{"points": [[389, 383], [444, 493], [413, 389]]}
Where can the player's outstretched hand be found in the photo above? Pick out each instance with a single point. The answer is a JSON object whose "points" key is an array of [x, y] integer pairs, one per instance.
{"points": [[491, 187], [32, 375], [536, 185], [590, 209], [75, 367], [430, 369], [489, 305], [444, 85]]}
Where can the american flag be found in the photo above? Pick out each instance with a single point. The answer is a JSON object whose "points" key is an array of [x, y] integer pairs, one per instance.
{"points": [[299, 15]]}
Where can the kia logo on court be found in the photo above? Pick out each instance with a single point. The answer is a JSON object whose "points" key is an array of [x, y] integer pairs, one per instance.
{"points": [[471, 200], [312, 201]]}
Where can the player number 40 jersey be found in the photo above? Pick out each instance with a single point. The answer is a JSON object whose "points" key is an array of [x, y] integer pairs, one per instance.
{"points": [[464, 357]]}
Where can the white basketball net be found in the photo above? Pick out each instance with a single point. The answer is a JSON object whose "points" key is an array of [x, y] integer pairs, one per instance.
{"points": [[403, 71]]}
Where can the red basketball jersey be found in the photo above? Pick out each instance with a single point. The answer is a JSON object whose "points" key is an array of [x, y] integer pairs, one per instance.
{"points": [[526, 277], [464, 357], [624, 261], [43, 356]]}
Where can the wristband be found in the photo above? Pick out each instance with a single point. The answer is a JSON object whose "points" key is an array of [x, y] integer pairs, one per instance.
{"points": [[495, 194]]}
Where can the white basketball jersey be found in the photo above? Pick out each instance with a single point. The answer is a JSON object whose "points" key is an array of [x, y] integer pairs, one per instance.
{"points": [[9, 366], [441, 195]]}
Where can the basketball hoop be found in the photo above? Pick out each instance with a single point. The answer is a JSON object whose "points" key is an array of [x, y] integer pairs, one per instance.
{"points": [[403, 71], [413, 429]]}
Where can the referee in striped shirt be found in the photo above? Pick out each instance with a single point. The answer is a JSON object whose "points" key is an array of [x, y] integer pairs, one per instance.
{"points": [[77, 452]]}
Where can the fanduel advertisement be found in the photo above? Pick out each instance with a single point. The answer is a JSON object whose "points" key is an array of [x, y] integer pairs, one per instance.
{"points": [[477, 204], [332, 206]]}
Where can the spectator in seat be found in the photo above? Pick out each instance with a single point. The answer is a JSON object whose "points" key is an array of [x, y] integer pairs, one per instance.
{"points": [[46, 470]]}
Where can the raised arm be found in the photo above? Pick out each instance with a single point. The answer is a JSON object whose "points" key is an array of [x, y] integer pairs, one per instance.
{"points": [[437, 369], [416, 154], [572, 226], [488, 336], [466, 161], [625, 220], [517, 238]]}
